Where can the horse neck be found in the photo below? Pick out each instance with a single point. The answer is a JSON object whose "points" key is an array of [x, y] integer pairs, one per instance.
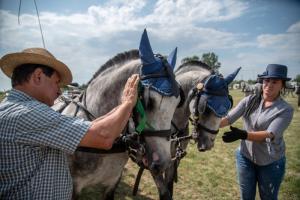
{"points": [[104, 92], [187, 81]]}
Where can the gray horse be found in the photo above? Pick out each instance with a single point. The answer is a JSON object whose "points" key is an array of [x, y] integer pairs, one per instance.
{"points": [[160, 94], [250, 89], [207, 102]]}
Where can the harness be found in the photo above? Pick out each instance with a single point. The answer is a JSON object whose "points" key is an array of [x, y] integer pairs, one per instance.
{"points": [[133, 139], [200, 106]]}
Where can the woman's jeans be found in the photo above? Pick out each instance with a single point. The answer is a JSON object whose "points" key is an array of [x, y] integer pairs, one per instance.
{"points": [[268, 178]]}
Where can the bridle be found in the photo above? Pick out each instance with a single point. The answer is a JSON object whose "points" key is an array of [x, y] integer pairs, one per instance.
{"points": [[137, 150], [200, 105]]}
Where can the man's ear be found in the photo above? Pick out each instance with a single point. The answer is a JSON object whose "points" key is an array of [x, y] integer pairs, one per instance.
{"points": [[36, 76]]}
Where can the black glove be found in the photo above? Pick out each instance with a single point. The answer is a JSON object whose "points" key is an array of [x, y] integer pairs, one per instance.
{"points": [[234, 134]]}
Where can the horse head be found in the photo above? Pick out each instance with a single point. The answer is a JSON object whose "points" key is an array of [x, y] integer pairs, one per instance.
{"points": [[209, 101], [160, 96]]}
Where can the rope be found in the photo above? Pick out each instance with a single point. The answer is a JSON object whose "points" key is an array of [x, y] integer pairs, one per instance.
{"points": [[37, 12], [19, 11]]}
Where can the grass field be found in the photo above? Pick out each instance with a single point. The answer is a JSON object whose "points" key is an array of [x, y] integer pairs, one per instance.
{"points": [[212, 175]]}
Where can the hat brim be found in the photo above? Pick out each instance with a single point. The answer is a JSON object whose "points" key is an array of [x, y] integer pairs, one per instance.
{"points": [[274, 77], [10, 61], [220, 105]]}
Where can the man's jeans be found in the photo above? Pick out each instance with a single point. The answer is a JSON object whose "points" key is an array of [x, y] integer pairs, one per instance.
{"points": [[268, 178]]}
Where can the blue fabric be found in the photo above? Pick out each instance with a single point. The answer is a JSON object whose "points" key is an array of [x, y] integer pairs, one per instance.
{"points": [[166, 86], [216, 89], [268, 178], [151, 64], [275, 71], [220, 105]]}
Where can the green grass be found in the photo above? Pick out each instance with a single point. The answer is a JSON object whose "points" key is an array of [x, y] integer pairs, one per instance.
{"points": [[2, 95], [212, 175]]}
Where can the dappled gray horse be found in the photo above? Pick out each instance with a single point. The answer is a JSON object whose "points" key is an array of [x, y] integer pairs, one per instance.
{"points": [[249, 89], [160, 95], [207, 101]]}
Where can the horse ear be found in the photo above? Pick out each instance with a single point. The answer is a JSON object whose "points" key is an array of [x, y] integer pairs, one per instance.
{"points": [[172, 58], [145, 50], [231, 77]]}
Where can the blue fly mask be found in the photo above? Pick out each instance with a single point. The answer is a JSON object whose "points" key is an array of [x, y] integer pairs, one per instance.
{"points": [[157, 71], [212, 93]]}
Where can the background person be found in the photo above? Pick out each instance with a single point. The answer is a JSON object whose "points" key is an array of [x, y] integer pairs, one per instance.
{"points": [[260, 159], [34, 139]]}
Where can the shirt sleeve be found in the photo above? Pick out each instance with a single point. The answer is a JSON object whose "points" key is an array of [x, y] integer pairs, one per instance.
{"points": [[281, 122], [237, 111], [42, 126]]}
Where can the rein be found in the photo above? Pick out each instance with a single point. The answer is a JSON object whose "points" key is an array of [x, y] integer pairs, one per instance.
{"points": [[200, 106], [200, 126]]}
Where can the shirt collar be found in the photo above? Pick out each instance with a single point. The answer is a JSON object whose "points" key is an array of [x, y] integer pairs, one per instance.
{"points": [[275, 102], [18, 95]]}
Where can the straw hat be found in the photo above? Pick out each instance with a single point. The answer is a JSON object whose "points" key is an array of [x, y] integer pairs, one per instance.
{"points": [[35, 56]]}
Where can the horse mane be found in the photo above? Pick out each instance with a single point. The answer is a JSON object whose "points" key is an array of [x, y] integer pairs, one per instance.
{"points": [[197, 63], [119, 58]]}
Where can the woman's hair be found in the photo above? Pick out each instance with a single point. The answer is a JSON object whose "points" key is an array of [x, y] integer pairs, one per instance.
{"points": [[23, 72], [254, 103]]}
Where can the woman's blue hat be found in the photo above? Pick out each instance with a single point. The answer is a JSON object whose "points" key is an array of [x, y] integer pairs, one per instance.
{"points": [[275, 71]]}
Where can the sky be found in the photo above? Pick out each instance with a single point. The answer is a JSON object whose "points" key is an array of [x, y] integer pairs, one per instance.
{"points": [[84, 34]]}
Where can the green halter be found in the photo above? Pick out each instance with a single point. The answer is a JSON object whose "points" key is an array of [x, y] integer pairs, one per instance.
{"points": [[139, 108]]}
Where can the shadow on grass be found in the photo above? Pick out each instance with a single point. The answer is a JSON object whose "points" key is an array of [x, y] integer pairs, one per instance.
{"points": [[123, 191]]}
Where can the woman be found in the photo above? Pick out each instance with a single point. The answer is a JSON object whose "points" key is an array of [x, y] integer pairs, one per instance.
{"points": [[260, 159]]}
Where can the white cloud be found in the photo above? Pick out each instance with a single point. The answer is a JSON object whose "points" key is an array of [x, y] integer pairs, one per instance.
{"points": [[272, 48], [289, 40], [295, 28], [86, 40]]}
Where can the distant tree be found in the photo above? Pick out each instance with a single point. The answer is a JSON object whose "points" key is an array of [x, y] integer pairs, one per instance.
{"points": [[188, 59], [83, 86], [297, 79], [251, 81], [211, 59]]}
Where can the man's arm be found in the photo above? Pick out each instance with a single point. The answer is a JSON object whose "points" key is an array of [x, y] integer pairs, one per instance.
{"points": [[104, 130]]}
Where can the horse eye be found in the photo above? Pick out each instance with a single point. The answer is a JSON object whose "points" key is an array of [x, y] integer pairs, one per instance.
{"points": [[207, 111], [148, 104]]}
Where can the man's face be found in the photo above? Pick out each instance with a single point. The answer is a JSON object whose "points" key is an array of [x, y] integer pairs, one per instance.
{"points": [[49, 88]]}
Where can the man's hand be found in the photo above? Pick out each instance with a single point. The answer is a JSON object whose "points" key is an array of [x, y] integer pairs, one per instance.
{"points": [[234, 134], [130, 92]]}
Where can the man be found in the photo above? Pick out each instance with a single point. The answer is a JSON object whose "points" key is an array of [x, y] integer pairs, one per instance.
{"points": [[35, 140]]}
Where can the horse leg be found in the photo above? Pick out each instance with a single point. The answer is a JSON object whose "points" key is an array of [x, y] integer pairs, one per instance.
{"points": [[109, 193], [75, 194], [163, 191], [171, 176]]}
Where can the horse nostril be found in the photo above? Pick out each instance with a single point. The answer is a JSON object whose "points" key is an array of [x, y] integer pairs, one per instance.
{"points": [[201, 150]]}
